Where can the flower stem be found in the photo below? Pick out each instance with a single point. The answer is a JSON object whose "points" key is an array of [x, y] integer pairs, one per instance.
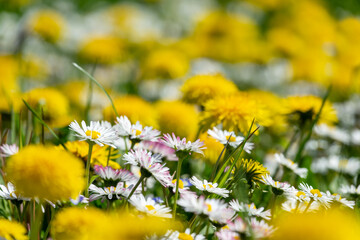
{"points": [[177, 184], [108, 158], [88, 163], [136, 186], [36, 222], [307, 207]]}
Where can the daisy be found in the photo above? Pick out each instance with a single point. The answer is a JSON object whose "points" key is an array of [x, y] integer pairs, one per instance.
{"points": [[7, 150], [336, 198], [250, 209], [294, 206], [110, 174], [280, 158], [184, 185], [180, 145], [261, 229], [297, 195], [96, 132], [8, 192], [111, 193], [350, 190], [140, 133], [226, 234], [224, 137], [123, 126], [149, 206], [175, 235], [315, 194], [278, 188], [159, 148], [209, 187], [149, 165]]}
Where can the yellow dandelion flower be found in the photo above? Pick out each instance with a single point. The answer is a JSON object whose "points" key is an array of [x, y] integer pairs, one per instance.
{"points": [[80, 224], [157, 64], [304, 108], [99, 154], [102, 49], [254, 171], [177, 117], [12, 230], [135, 108], [48, 24], [54, 104], [201, 88], [213, 148], [235, 112], [34, 68], [330, 225], [46, 173]]}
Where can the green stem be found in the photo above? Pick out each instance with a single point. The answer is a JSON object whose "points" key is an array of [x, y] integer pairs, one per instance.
{"points": [[88, 163], [108, 158], [307, 207], [178, 170], [36, 222], [136, 186]]}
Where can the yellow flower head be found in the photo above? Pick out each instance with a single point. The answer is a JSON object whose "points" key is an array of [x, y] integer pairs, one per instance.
{"points": [[201, 88], [330, 225], [46, 173], [304, 108], [254, 171], [102, 49], [80, 224], [48, 24], [99, 154], [54, 104], [213, 148], [135, 108], [165, 64], [12, 230], [177, 117], [235, 113], [34, 68]]}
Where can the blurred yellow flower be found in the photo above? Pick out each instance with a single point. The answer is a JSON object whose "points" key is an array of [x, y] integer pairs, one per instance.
{"points": [[46, 173], [235, 112], [201, 88], [12, 230], [304, 108], [54, 104], [177, 117], [165, 64], [99, 154], [330, 225], [8, 83], [105, 49], [34, 67], [48, 24], [135, 108], [213, 148]]}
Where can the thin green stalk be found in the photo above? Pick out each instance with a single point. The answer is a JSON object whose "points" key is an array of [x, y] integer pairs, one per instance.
{"points": [[136, 186], [308, 206], [178, 170], [165, 196], [108, 158], [88, 163], [13, 125], [36, 223], [99, 85], [49, 225]]}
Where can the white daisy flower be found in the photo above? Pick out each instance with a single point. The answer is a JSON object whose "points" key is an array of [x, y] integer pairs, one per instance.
{"points": [[175, 235], [294, 206], [8, 192], [261, 229], [123, 126], [147, 133], [7, 150], [111, 193], [96, 132], [336, 198], [250, 209], [149, 206], [280, 158], [158, 147], [150, 163], [277, 187], [336, 163], [110, 174], [335, 133], [238, 225], [209, 187], [183, 187], [315, 194], [350, 190], [297, 195], [181, 144], [226, 234]]}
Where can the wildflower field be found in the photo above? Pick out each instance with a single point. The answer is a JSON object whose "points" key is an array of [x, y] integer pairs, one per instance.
{"points": [[179, 119]]}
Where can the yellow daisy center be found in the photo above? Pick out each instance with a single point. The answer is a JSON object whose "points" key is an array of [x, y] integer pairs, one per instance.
{"points": [[181, 183], [231, 139], [92, 134], [185, 236], [253, 206], [335, 194], [12, 194], [300, 193], [150, 207], [137, 132], [209, 208], [316, 191]]}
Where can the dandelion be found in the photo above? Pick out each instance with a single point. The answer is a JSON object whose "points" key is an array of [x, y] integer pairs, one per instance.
{"points": [[201, 88], [209, 187], [46, 173], [12, 230], [48, 24], [254, 171]]}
